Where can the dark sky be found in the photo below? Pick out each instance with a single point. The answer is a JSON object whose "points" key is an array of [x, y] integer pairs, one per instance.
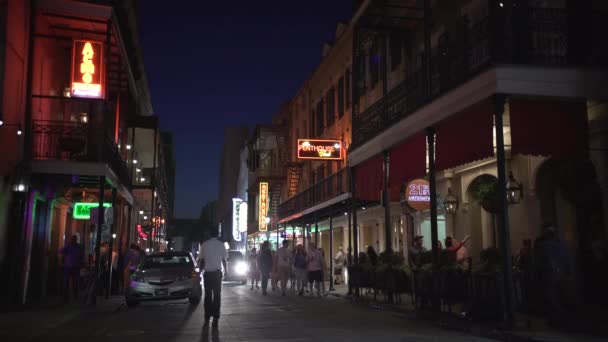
{"points": [[213, 64]]}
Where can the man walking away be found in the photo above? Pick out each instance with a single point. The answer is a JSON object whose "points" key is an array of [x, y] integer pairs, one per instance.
{"points": [[284, 265], [265, 265], [73, 257], [213, 256], [339, 265]]}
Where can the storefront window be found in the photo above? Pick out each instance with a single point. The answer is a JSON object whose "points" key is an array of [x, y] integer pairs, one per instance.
{"points": [[425, 229]]}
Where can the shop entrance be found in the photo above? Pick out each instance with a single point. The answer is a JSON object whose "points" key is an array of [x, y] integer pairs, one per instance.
{"points": [[425, 230], [571, 201]]}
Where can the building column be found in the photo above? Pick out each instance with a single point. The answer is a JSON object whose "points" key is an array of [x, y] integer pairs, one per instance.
{"points": [[598, 142]]}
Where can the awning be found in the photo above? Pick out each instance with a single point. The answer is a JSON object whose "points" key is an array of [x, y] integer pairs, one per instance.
{"points": [[407, 162], [368, 179], [466, 137], [548, 128]]}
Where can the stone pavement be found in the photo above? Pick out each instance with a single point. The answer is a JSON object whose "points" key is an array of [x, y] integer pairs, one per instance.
{"points": [[246, 316]]}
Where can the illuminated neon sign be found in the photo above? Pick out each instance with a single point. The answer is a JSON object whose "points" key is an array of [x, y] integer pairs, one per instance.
{"points": [[263, 212], [236, 204], [87, 69], [82, 210], [418, 195], [319, 149]]}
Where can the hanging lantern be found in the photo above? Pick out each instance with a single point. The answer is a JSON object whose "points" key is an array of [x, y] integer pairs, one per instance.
{"points": [[514, 190], [450, 202]]}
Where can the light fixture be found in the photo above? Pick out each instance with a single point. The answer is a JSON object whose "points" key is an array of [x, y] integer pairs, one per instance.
{"points": [[363, 208], [145, 217], [19, 131], [337, 146], [19, 187], [128, 147], [1, 122], [345, 213], [143, 179], [147, 250], [137, 170], [134, 161], [450, 202], [114, 236], [514, 190], [141, 212]]}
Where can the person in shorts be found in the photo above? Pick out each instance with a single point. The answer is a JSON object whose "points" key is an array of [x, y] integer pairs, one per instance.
{"points": [[314, 267]]}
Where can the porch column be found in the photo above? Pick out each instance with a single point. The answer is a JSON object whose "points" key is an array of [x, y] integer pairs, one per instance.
{"points": [[386, 200], [100, 219], [111, 240], [316, 231], [430, 136], [502, 216], [331, 254], [354, 213]]}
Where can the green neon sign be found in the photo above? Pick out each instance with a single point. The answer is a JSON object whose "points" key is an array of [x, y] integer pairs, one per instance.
{"points": [[82, 210]]}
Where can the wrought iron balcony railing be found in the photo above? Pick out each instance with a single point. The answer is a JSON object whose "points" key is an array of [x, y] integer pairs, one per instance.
{"points": [[328, 188], [545, 38], [75, 141]]}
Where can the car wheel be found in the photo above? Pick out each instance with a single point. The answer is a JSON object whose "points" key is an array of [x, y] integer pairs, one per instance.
{"points": [[132, 303]]}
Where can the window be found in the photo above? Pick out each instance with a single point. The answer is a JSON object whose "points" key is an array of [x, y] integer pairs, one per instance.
{"points": [[374, 63], [331, 108], [320, 118], [396, 50], [347, 86], [341, 97]]}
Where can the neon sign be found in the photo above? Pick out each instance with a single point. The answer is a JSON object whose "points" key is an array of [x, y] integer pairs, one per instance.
{"points": [[319, 149], [418, 195], [236, 204], [243, 217], [82, 210], [263, 212], [87, 69]]}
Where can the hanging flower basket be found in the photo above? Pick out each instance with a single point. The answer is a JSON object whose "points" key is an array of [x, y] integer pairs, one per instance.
{"points": [[486, 194]]}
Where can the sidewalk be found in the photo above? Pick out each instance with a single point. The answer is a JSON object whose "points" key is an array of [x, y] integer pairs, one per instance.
{"points": [[527, 328], [34, 321]]}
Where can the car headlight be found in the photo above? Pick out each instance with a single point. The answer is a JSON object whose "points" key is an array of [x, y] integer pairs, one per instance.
{"points": [[240, 268]]}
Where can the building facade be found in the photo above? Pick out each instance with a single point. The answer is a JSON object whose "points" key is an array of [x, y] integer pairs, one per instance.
{"points": [[74, 94]]}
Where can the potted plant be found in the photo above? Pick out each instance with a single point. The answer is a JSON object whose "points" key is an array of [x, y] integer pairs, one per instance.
{"points": [[486, 194]]}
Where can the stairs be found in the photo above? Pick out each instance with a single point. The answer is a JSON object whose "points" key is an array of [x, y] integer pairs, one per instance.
{"points": [[294, 173]]}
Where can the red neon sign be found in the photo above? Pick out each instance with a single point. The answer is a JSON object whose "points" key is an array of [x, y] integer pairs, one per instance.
{"points": [[87, 69], [319, 149]]}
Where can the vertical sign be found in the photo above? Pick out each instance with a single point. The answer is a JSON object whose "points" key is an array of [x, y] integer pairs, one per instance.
{"points": [[263, 206], [243, 217], [236, 213], [87, 69]]}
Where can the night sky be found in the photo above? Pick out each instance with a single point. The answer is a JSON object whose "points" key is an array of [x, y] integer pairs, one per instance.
{"points": [[214, 64]]}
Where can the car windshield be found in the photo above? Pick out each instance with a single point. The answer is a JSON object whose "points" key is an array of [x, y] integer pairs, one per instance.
{"points": [[166, 261], [235, 256]]}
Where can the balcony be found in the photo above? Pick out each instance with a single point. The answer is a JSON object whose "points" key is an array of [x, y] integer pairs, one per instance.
{"points": [[544, 37], [76, 141], [325, 190]]}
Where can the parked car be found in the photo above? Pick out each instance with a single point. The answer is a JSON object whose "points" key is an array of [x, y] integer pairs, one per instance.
{"points": [[236, 267], [165, 276]]}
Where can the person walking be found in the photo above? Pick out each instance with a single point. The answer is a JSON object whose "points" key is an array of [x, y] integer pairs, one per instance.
{"points": [[131, 261], [213, 257], [284, 265], [339, 260], [265, 265], [314, 267], [254, 273], [73, 258], [299, 265]]}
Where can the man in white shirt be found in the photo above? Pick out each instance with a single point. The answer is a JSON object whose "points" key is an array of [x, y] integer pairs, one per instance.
{"points": [[284, 265], [213, 256]]}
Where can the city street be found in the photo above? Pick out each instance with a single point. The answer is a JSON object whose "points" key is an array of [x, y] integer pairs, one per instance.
{"points": [[246, 316]]}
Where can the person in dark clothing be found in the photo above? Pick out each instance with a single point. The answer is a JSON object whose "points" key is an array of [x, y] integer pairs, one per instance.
{"points": [[73, 258], [265, 265], [372, 255], [213, 257]]}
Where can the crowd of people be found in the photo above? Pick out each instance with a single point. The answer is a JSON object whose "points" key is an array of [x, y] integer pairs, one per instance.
{"points": [[114, 272], [299, 269]]}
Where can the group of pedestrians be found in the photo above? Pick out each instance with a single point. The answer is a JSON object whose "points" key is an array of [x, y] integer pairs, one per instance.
{"points": [[304, 269], [114, 268]]}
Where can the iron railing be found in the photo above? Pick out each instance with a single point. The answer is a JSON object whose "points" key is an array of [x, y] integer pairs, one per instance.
{"points": [[76, 141], [542, 38], [328, 188]]}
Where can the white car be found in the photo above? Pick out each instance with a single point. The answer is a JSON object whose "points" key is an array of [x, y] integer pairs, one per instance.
{"points": [[165, 276]]}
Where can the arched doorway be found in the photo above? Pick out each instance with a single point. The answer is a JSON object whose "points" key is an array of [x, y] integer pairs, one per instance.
{"points": [[571, 201], [482, 207]]}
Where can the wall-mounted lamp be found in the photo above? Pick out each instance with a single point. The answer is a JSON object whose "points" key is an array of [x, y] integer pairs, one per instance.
{"points": [[515, 191], [450, 202]]}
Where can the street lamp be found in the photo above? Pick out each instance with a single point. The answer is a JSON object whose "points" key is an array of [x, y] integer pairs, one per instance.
{"points": [[450, 202], [514, 190]]}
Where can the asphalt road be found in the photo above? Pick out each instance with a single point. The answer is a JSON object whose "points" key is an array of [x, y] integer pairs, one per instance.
{"points": [[246, 316]]}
